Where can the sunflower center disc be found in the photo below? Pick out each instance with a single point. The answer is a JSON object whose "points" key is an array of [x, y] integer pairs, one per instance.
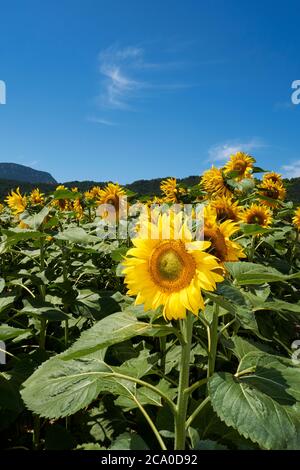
{"points": [[257, 220], [240, 167], [170, 265]]}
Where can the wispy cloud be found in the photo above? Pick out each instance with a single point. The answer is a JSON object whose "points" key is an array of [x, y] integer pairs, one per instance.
{"points": [[104, 122], [221, 152], [125, 76], [292, 170]]}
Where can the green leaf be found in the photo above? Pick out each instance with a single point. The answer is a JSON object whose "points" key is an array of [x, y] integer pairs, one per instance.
{"points": [[119, 253], [278, 305], [76, 235], [145, 396], [45, 311], [230, 292], [66, 194], [251, 273], [5, 302], [262, 403], [60, 388], [127, 441], [36, 220], [114, 329], [90, 446], [14, 236], [257, 169], [254, 229], [243, 346], [9, 332]]}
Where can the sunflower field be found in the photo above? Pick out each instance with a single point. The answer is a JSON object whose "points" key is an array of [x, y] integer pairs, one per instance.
{"points": [[181, 334]]}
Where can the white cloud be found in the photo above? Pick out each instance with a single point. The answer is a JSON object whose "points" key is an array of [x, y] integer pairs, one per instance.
{"points": [[123, 73], [104, 122], [221, 152], [292, 170]]}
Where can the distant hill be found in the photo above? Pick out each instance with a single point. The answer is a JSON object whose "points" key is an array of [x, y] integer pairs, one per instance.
{"points": [[141, 187], [16, 172]]}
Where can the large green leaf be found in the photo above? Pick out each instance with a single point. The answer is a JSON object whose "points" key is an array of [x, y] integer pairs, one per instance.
{"points": [[114, 329], [261, 400], [59, 388], [62, 387], [251, 273]]}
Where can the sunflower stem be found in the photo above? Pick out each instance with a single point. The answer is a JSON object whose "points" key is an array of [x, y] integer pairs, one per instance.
{"points": [[252, 248], [294, 245], [183, 397], [213, 341]]}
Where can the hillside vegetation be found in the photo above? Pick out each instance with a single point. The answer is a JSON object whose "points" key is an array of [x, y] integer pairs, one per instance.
{"points": [[149, 187]]}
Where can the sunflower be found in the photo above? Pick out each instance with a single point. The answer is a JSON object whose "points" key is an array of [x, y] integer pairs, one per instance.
{"points": [[62, 204], [241, 163], [218, 234], [78, 209], [171, 190], [226, 209], [275, 192], [111, 194], [170, 272], [1, 207], [157, 200], [296, 218], [36, 197], [214, 183], [273, 177], [93, 193], [260, 215], [16, 202]]}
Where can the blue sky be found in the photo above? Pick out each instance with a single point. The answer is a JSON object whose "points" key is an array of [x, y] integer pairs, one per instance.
{"points": [[124, 90]]}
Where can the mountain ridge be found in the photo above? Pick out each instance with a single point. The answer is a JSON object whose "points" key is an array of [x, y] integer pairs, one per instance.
{"points": [[26, 174]]}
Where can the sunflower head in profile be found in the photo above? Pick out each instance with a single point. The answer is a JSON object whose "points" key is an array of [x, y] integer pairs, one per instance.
{"points": [[214, 183], [218, 234], [78, 209], [296, 218], [258, 214], [171, 190], [273, 177], [241, 163], [170, 271], [16, 202], [274, 192], [36, 197], [226, 209]]}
